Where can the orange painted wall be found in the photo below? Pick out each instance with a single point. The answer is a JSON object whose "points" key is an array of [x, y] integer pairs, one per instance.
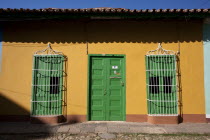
{"points": [[75, 39]]}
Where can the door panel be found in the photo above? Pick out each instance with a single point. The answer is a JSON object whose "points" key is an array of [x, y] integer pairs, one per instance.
{"points": [[107, 89], [98, 85], [115, 87]]}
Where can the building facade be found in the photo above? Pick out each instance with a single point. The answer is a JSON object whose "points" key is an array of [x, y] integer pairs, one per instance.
{"points": [[105, 65]]}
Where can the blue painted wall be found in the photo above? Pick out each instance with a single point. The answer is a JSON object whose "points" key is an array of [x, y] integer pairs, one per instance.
{"points": [[206, 43]]}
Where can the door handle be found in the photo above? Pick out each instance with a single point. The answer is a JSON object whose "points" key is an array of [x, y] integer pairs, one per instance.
{"points": [[114, 77], [122, 83]]}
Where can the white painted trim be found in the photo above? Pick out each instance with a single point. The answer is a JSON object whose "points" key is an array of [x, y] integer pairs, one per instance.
{"points": [[207, 115]]}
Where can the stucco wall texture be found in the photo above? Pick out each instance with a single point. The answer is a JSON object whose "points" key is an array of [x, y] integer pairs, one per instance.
{"points": [[77, 39]]}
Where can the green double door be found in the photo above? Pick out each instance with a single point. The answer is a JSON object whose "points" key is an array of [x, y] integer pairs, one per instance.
{"points": [[107, 88]]}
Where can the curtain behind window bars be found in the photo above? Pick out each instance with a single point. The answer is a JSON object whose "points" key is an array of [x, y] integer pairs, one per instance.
{"points": [[161, 85]]}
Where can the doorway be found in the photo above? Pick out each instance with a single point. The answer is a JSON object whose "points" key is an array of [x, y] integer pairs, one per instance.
{"points": [[106, 101]]}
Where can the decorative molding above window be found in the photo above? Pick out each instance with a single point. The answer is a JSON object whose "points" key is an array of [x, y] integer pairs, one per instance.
{"points": [[47, 51], [161, 51]]}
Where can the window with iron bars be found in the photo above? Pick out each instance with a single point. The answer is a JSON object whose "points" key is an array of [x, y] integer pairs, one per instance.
{"points": [[161, 85], [47, 85]]}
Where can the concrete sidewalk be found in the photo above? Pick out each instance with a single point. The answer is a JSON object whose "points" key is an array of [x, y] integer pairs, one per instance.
{"points": [[103, 127]]}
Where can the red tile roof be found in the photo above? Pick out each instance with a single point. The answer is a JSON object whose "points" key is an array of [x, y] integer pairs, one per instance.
{"points": [[106, 10]]}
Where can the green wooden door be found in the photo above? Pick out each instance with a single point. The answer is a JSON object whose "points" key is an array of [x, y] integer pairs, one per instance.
{"points": [[107, 88]]}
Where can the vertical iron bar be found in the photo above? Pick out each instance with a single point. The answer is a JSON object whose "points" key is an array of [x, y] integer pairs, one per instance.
{"points": [[155, 83], [161, 73], [61, 84], [52, 95], [170, 61], [58, 86], [170, 81], [35, 87], [164, 87], [147, 88], [39, 90], [53, 82], [38, 83], [149, 75], [167, 58], [58, 83], [167, 99], [158, 80], [48, 85], [43, 87], [175, 80], [174, 85], [153, 86]]}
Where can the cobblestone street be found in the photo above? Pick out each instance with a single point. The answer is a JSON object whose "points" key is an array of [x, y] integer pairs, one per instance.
{"points": [[104, 136]]}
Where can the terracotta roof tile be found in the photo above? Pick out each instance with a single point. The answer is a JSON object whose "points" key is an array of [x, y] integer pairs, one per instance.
{"points": [[108, 10]]}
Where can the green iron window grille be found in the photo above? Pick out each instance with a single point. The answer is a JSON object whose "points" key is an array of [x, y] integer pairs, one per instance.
{"points": [[47, 84], [161, 83]]}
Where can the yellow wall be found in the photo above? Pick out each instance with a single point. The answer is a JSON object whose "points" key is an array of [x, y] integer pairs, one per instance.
{"points": [[134, 39]]}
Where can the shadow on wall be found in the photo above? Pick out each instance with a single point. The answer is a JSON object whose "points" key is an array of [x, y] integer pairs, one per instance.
{"points": [[19, 126], [12, 112], [12, 109], [9, 107], [103, 31]]}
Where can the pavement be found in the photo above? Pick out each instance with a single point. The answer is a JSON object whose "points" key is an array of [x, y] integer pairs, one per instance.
{"points": [[103, 128]]}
